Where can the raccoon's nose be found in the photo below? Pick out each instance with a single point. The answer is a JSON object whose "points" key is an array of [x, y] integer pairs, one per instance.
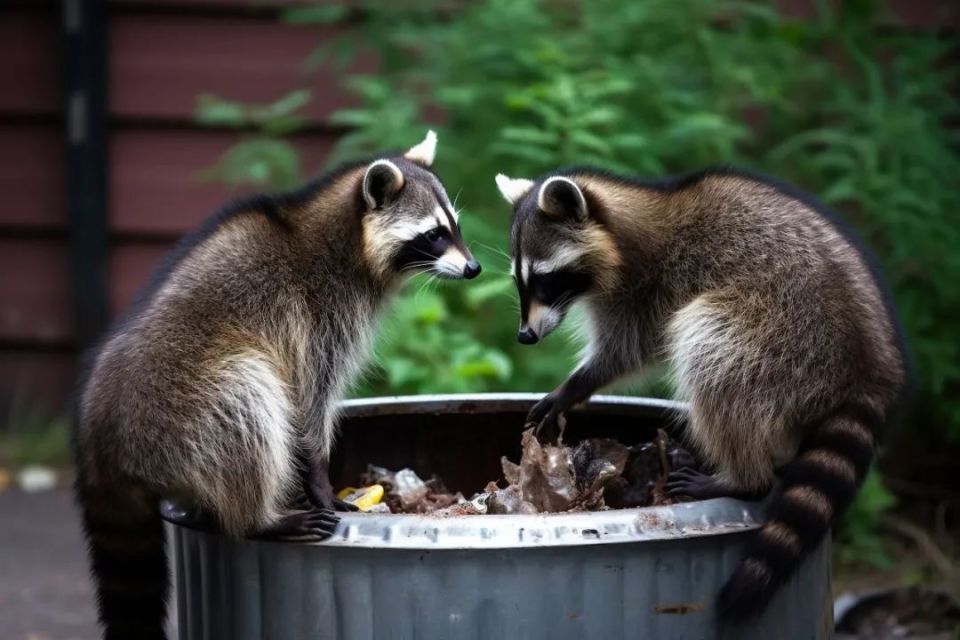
{"points": [[471, 270], [527, 336]]}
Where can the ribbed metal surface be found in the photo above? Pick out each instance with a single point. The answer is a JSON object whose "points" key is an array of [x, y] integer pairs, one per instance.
{"points": [[638, 573]]}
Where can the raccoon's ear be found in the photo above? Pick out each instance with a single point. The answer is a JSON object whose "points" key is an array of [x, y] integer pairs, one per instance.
{"points": [[425, 152], [562, 198], [512, 189], [381, 182]]}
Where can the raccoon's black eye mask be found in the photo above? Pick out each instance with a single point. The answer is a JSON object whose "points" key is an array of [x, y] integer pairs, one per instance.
{"points": [[564, 285], [429, 245]]}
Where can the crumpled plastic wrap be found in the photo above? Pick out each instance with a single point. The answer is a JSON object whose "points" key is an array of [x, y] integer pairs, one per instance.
{"points": [[506, 501], [544, 478], [594, 474]]}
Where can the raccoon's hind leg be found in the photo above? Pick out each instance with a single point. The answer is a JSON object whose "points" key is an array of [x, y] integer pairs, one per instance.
{"points": [[318, 492], [735, 422], [704, 486], [304, 526], [245, 467]]}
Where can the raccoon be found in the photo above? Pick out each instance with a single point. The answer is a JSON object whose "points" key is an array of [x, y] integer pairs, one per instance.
{"points": [[773, 321], [219, 389]]}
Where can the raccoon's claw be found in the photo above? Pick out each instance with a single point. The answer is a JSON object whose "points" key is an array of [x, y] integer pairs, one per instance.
{"points": [[545, 417], [302, 526], [540, 410], [549, 430]]}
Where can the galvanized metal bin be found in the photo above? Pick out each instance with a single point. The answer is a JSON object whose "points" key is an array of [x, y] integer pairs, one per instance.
{"points": [[632, 573]]}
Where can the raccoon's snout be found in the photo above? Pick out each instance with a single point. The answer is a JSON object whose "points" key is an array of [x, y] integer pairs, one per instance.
{"points": [[527, 336], [472, 269]]}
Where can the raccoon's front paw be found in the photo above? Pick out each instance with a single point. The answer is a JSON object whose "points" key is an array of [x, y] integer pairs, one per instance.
{"points": [[545, 418], [302, 526]]}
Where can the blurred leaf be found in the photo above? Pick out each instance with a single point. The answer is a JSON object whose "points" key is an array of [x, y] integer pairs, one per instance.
{"points": [[493, 364], [492, 287], [289, 103], [262, 162], [320, 14], [860, 533], [214, 111]]}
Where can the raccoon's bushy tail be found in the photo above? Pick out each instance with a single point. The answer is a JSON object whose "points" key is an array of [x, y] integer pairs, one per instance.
{"points": [[816, 488], [129, 562]]}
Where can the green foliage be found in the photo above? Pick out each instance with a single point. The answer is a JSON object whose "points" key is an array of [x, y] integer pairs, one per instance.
{"points": [[262, 158], [424, 347], [858, 114], [859, 537]]}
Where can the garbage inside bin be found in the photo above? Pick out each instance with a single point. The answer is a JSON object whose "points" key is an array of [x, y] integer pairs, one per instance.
{"points": [[591, 475]]}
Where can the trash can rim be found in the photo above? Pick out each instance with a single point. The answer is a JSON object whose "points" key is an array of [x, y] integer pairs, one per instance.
{"points": [[428, 532]]}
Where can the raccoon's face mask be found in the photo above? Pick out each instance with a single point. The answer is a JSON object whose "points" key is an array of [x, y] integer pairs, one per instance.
{"points": [[409, 224], [550, 250]]}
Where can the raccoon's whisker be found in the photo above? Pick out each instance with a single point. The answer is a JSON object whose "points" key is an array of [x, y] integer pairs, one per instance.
{"points": [[563, 299], [424, 283], [417, 265]]}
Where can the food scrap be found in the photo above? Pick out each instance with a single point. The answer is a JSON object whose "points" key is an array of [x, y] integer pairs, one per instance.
{"points": [[593, 475], [365, 499]]}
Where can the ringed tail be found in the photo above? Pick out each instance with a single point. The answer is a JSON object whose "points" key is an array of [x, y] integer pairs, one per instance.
{"points": [[129, 562], [816, 487]]}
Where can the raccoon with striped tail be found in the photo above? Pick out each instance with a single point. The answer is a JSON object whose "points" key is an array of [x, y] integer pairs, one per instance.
{"points": [[776, 327], [219, 389]]}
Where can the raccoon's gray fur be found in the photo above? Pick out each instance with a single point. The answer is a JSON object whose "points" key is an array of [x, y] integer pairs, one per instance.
{"points": [[775, 326], [219, 389]]}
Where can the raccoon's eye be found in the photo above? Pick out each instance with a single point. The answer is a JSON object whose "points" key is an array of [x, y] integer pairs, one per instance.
{"points": [[433, 235]]}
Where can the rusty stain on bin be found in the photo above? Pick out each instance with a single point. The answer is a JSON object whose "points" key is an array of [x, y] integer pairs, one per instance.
{"points": [[630, 573], [679, 609]]}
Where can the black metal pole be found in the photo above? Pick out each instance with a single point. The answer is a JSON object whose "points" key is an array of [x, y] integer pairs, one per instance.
{"points": [[85, 92]]}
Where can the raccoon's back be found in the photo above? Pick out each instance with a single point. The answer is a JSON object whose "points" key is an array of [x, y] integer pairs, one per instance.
{"points": [[802, 288]]}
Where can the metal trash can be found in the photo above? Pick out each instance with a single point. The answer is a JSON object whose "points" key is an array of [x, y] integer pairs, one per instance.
{"points": [[631, 573]]}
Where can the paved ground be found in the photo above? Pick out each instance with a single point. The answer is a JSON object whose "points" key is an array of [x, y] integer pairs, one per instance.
{"points": [[44, 590]]}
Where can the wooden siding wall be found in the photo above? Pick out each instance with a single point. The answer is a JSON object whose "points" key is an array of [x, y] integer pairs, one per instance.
{"points": [[162, 54]]}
